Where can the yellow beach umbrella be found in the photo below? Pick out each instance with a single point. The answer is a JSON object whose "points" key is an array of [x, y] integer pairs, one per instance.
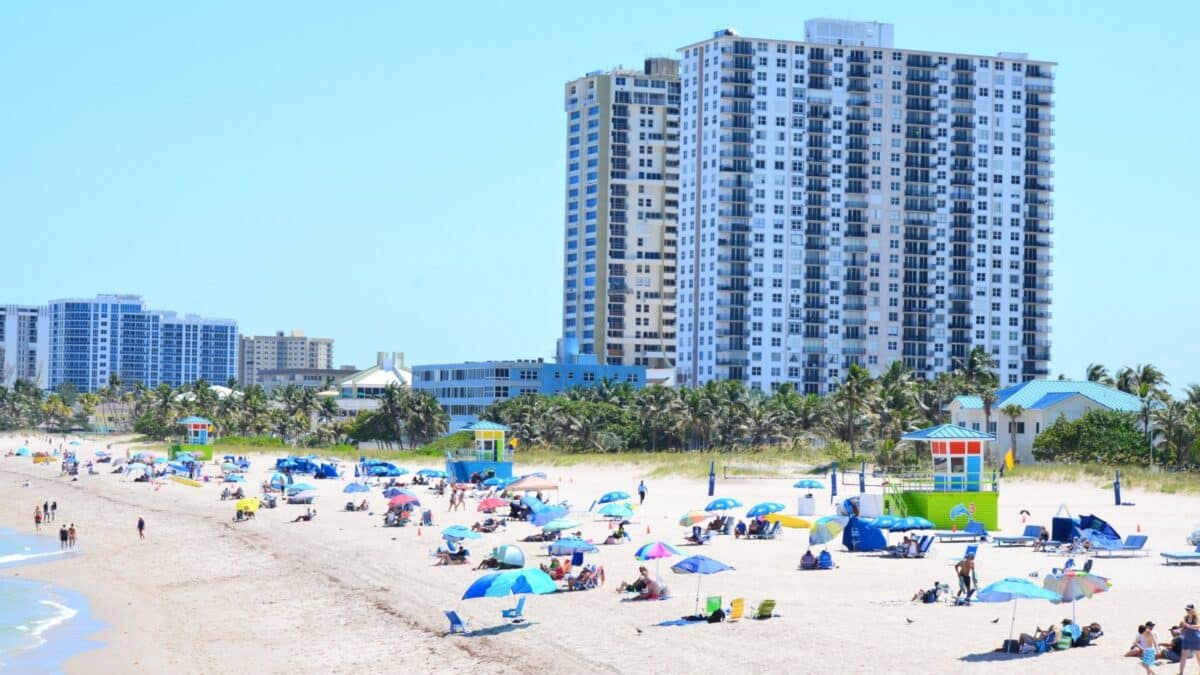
{"points": [[794, 522], [249, 504]]}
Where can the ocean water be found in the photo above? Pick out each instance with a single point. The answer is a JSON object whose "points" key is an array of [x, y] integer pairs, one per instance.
{"points": [[41, 625]]}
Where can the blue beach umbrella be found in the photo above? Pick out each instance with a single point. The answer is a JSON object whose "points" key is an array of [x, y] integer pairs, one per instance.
{"points": [[296, 488], [235, 478], [432, 473], [1012, 589], [525, 581], [459, 532], [547, 514], [699, 565], [722, 504], [911, 523], [569, 545], [494, 481], [614, 496], [560, 524], [884, 522], [355, 487], [765, 508], [230, 466], [75, 443], [621, 510], [809, 484], [24, 452]]}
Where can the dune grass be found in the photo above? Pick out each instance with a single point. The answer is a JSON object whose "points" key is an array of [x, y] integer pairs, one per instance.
{"points": [[765, 462], [1137, 477]]}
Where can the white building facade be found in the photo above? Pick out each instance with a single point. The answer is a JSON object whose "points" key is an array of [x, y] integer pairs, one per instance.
{"points": [[24, 345], [843, 201]]}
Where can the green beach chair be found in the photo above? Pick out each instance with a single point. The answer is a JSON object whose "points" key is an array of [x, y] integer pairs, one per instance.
{"points": [[712, 605], [766, 610]]}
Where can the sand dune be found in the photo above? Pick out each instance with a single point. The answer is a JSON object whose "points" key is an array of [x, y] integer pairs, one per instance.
{"points": [[341, 594]]}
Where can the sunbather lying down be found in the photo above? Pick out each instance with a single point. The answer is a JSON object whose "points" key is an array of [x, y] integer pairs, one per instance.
{"points": [[307, 516]]}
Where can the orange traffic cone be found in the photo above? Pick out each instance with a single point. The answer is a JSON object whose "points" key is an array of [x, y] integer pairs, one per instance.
{"points": [[1139, 529], [647, 529], [418, 530]]}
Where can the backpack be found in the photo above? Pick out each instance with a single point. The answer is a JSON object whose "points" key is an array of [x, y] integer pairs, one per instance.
{"points": [[717, 616]]}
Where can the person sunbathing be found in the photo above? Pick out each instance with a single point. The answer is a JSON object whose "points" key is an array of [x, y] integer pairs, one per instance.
{"points": [[452, 554], [584, 581], [491, 562], [652, 591], [638, 585], [1038, 634], [308, 515], [716, 524], [757, 526]]}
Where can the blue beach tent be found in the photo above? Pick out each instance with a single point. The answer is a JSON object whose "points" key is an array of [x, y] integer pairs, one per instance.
{"points": [[861, 536]]}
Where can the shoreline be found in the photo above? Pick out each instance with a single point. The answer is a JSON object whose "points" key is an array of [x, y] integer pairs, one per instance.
{"points": [[64, 638]]}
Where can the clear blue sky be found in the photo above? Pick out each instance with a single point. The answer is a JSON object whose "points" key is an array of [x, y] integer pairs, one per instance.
{"points": [[391, 174]]}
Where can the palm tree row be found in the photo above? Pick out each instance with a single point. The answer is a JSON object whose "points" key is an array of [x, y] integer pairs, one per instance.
{"points": [[294, 414], [862, 411], [1170, 426]]}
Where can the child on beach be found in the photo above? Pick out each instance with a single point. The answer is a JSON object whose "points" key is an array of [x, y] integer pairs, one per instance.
{"points": [[1149, 646]]}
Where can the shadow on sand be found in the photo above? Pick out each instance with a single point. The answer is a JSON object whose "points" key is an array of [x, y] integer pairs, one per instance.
{"points": [[501, 629], [987, 657]]}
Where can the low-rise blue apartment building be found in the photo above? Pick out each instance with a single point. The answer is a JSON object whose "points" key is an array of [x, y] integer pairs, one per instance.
{"points": [[465, 389]]}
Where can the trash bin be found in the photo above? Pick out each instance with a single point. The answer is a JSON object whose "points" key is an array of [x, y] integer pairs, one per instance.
{"points": [[806, 506]]}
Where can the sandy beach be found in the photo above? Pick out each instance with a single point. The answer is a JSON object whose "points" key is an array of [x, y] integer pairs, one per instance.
{"points": [[340, 594]]}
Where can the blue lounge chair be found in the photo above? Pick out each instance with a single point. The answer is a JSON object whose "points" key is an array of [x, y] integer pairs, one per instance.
{"points": [[1027, 537], [771, 531], [971, 550], [973, 531], [1133, 544], [1182, 558], [699, 537], [517, 613], [457, 625]]}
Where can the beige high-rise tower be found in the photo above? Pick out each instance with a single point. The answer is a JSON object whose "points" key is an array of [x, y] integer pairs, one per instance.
{"points": [[622, 212], [273, 352]]}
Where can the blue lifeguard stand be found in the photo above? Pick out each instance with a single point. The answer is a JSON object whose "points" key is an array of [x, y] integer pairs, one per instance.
{"points": [[198, 429], [491, 453]]}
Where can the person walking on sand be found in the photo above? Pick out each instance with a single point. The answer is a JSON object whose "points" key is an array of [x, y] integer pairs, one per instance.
{"points": [[46, 512], [141, 528], [1189, 632], [53, 510], [37, 519], [965, 569], [62, 538], [1149, 647], [642, 492], [71, 536]]}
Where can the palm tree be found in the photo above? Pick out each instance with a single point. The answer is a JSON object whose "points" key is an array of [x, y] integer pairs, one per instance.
{"points": [[851, 400], [1096, 372], [657, 409], [1170, 421], [978, 368], [1012, 411], [989, 399], [1191, 394], [1150, 399]]}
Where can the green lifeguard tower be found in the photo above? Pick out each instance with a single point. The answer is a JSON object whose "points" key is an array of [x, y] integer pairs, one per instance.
{"points": [[955, 488]]}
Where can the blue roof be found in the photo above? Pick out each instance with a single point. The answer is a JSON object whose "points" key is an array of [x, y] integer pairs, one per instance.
{"points": [[943, 432], [1040, 394], [484, 425], [194, 420]]}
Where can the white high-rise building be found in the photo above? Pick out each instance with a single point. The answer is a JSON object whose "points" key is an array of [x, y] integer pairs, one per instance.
{"points": [[844, 201], [23, 345], [622, 211]]}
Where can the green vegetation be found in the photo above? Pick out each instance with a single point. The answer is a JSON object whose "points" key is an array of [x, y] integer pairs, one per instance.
{"points": [[1101, 475], [1107, 437], [760, 462]]}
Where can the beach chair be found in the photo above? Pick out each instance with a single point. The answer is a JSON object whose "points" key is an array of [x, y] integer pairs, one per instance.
{"points": [[728, 526], [771, 532], [924, 544], [427, 518], [973, 531], [737, 607], [765, 610], [1133, 544], [972, 550], [712, 604], [699, 537], [1026, 538], [517, 614], [1069, 565], [1182, 557], [457, 625], [576, 558]]}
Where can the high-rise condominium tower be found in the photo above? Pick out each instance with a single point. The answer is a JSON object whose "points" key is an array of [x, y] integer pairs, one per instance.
{"points": [[23, 345], [844, 201], [622, 211], [281, 351]]}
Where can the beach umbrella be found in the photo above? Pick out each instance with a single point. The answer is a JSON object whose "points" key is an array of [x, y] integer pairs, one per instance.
{"points": [[23, 452], [491, 504], [700, 565], [494, 481], [884, 522], [432, 473], [722, 504], [1072, 585], [694, 518], [402, 500], [560, 524], [306, 494], [616, 510], [911, 523], [230, 466], [396, 492], [160, 460], [785, 520], [75, 443], [460, 532], [278, 480], [547, 514], [1012, 589], [614, 496], [656, 551], [809, 484], [99, 453], [235, 478], [355, 487], [249, 504], [764, 508], [569, 545], [525, 581], [826, 529], [299, 487]]}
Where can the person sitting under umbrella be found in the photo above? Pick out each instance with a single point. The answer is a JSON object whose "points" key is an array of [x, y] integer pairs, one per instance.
{"points": [[452, 553], [1031, 641], [638, 585], [717, 524], [808, 561], [652, 591], [620, 536], [757, 526], [491, 562]]}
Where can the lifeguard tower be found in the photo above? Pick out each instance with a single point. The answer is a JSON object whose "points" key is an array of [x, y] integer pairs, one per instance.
{"points": [[491, 454], [956, 484], [199, 433]]}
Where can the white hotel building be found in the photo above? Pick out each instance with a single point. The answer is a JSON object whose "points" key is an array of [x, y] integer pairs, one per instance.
{"points": [[844, 201]]}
